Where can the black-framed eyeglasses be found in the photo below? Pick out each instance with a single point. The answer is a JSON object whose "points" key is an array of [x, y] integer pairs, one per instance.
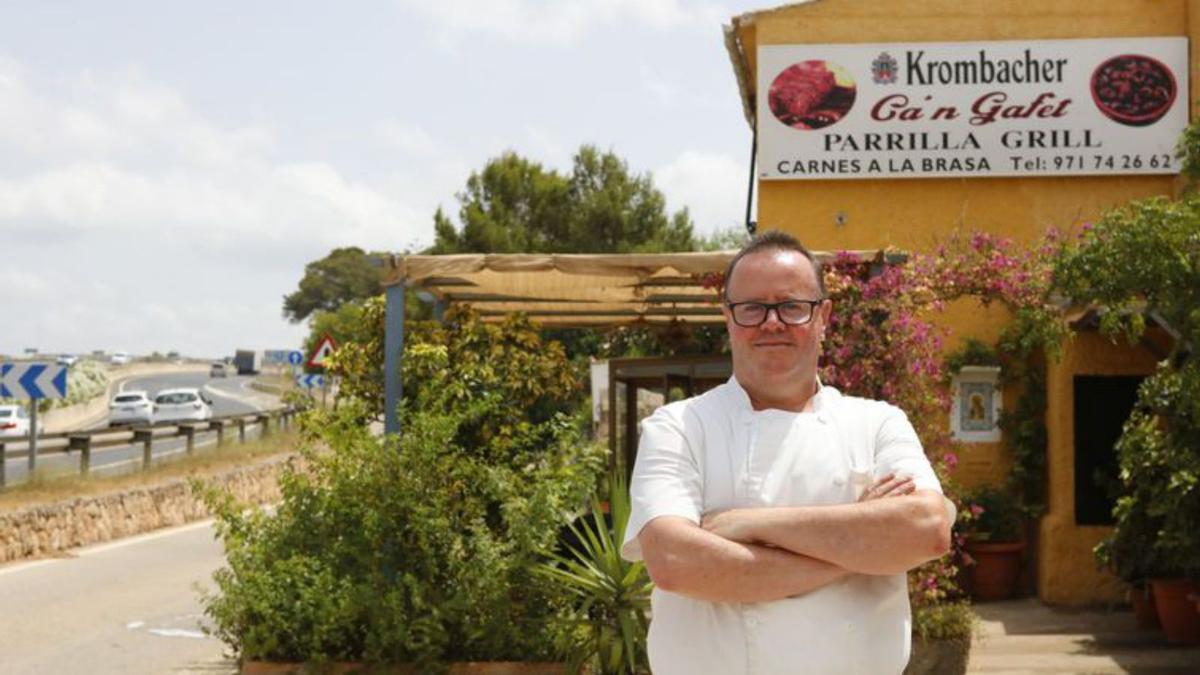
{"points": [[791, 312]]}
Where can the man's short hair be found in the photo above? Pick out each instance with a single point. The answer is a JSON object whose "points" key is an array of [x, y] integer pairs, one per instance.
{"points": [[775, 240]]}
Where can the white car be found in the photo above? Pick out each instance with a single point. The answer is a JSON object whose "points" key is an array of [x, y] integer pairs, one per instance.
{"points": [[182, 405], [67, 360], [131, 407], [119, 358], [14, 421]]}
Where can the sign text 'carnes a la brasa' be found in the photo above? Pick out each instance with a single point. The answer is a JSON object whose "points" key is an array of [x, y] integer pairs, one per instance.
{"points": [[1052, 107]]}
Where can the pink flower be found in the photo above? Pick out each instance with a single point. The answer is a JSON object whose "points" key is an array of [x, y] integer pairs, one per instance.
{"points": [[951, 460], [976, 510]]}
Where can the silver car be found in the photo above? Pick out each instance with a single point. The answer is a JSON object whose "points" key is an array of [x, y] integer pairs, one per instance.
{"points": [[182, 405], [131, 407]]}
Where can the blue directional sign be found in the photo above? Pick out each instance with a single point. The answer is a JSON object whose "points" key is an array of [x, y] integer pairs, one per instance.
{"points": [[310, 381], [33, 380], [278, 357]]}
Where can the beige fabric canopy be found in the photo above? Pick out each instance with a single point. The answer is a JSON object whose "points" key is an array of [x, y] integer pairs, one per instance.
{"points": [[575, 289]]}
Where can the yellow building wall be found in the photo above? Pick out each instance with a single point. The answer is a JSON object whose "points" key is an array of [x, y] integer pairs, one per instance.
{"points": [[915, 214], [1067, 572]]}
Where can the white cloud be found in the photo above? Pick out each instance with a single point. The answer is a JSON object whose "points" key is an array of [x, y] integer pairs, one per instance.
{"points": [[559, 21], [16, 282], [406, 138], [711, 185], [132, 220], [125, 155], [664, 92]]}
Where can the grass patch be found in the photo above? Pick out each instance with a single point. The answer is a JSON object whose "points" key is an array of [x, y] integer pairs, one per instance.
{"points": [[46, 487], [273, 383]]}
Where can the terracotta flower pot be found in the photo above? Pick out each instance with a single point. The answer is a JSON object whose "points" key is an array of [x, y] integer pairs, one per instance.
{"points": [[938, 657], [1180, 620], [1145, 613], [997, 569]]}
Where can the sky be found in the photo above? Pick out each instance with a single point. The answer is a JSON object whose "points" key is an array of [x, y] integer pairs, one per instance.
{"points": [[167, 169]]}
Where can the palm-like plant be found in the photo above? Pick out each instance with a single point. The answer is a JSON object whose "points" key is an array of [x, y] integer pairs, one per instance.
{"points": [[613, 595]]}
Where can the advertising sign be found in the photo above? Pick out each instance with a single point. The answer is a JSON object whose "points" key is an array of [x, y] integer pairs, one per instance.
{"points": [[1028, 108]]}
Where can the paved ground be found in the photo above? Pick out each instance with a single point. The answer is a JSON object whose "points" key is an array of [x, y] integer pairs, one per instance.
{"points": [[127, 607], [1024, 636]]}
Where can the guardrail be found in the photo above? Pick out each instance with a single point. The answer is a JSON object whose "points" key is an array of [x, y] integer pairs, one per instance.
{"points": [[147, 435]]}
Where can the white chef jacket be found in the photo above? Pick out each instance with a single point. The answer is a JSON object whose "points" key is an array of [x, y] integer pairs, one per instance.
{"points": [[714, 452]]}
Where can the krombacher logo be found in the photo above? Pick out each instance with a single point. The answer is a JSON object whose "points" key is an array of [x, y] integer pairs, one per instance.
{"points": [[1026, 69]]}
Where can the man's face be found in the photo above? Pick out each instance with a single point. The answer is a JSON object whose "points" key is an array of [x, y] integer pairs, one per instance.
{"points": [[775, 353]]}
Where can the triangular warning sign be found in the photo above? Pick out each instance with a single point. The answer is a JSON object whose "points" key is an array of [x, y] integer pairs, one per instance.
{"points": [[324, 348]]}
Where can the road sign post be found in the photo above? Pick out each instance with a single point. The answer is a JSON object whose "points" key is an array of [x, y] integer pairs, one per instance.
{"points": [[33, 382], [33, 435]]}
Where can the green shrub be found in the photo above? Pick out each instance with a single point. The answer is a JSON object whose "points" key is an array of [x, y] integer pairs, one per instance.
{"points": [[944, 621], [465, 358], [414, 549]]}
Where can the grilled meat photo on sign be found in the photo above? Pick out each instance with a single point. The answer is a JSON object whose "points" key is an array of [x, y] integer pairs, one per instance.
{"points": [[811, 94]]}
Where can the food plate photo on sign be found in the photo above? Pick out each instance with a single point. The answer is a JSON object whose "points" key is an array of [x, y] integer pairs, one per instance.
{"points": [[1133, 89]]}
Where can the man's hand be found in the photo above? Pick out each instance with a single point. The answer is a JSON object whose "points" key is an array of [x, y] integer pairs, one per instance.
{"points": [[890, 485], [728, 524], [731, 523]]}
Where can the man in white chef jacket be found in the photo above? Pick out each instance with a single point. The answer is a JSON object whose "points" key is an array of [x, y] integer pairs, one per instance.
{"points": [[777, 516]]}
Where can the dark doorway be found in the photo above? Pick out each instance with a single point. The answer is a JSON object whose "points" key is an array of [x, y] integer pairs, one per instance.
{"points": [[1102, 404]]}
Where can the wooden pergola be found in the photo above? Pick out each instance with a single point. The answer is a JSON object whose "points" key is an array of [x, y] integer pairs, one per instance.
{"points": [[563, 290]]}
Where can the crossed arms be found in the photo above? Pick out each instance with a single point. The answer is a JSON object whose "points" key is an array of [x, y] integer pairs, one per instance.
{"points": [[761, 554]]}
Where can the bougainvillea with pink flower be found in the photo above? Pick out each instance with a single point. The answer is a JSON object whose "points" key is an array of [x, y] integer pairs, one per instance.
{"points": [[884, 342]]}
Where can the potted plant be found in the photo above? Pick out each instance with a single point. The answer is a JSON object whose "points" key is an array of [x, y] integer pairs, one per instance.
{"points": [[1157, 527], [994, 541], [1128, 552], [605, 629], [1159, 450], [941, 641], [942, 621]]}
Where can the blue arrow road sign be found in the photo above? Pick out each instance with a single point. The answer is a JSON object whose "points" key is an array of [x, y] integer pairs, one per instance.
{"points": [[33, 380], [296, 358], [310, 381]]}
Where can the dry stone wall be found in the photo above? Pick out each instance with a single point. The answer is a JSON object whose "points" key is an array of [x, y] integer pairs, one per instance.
{"points": [[47, 530]]}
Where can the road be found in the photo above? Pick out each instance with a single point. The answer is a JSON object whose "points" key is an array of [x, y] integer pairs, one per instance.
{"points": [[230, 396], [124, 607]]}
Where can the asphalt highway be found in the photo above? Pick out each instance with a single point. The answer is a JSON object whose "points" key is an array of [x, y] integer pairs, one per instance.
{"points": [[231, 395], [131, 606]]}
